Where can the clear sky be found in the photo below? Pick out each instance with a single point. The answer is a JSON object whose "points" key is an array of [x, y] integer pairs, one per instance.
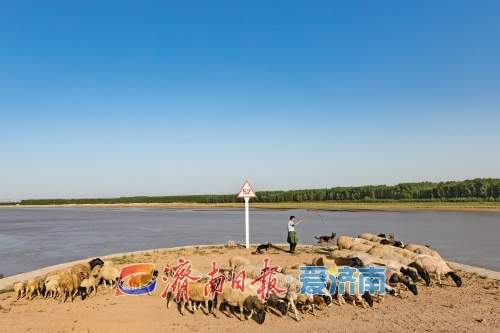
{"points": [[111, 98]]}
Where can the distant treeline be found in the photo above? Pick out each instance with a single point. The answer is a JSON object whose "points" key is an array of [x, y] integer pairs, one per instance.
{"points": [[481, 189]]}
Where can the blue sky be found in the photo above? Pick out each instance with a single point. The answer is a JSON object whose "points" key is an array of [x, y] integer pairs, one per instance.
{"points": [[109, 98]]}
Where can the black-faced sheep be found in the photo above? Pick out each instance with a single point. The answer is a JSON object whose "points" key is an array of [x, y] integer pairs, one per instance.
{"points": [[247, 300], [109, 274], [382, 240], [439, 267]]}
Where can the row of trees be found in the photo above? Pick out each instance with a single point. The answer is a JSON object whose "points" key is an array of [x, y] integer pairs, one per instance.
{"points": [[480, 189]]}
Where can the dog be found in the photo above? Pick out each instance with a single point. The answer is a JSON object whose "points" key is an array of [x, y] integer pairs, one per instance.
{"points": [[326, 239], [263, 247]]}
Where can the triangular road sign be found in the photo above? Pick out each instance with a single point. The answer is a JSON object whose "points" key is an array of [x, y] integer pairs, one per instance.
{"points": [[246, 191]]}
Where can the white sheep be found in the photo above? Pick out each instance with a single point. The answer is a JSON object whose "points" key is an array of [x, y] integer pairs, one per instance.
{"points": [[236, 261], [32, 288], [388, 252], [19, 288], [361, 247], [90, 284], [195, 294], [437, 266], [51, 287], [109, 274], [368, 259], [346, 242], [243, 300], [66, 286], [422, 249], [371, 237], [252, 271]]}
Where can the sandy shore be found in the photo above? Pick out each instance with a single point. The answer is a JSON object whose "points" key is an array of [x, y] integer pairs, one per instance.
{"points": [[324, 205], [473, 307]]}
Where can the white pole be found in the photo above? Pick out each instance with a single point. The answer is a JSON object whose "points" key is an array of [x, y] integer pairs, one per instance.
{"points": [[247, 233]]}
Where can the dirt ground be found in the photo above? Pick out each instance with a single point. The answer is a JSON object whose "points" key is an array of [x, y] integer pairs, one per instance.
{"points": [[473, 307]]}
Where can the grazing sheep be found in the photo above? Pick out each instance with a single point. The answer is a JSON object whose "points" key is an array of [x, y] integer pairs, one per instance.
{"points": [[52, 288], [291, 285], [243, 300], [253, 304], [41, 285], [277, 303], [364, 300], [86, 267], [252, 271], [80, 268], [396, 277], [66, 287], [236, 261], [195, 293], [110, 274], [437, 266], [393, 276], [304, 303], [32, 288], [320, 302], [366, 259], [19, 288], [90, 284], [77, 279]]}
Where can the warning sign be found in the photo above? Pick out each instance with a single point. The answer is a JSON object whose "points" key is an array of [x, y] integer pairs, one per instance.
{"points": [[246, 191]]}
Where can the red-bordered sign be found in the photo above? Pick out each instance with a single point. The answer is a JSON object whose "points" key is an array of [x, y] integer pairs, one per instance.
{"points": [[246, 191]]}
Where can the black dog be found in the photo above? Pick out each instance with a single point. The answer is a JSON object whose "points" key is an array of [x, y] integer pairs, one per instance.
{"points": [[325, 239], [263, 247]]}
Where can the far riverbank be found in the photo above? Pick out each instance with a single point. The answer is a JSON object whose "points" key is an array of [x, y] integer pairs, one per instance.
{"points": [[485, 206]]}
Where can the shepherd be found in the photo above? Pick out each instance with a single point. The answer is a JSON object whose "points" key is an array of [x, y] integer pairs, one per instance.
{"points": [[292, 235]]}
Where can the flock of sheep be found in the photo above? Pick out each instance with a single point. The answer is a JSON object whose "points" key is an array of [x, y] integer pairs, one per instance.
{"points": [[78, 280], [404, 264]]}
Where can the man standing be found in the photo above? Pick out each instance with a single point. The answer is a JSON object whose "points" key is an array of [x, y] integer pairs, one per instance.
{"points": [[292, 235]]}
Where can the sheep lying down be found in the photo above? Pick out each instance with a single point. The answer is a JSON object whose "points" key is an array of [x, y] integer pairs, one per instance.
{"points": [[369, 259], [393, 268]]}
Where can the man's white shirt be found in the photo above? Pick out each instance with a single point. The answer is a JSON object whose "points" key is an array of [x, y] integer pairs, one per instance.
{"points": [[291, 226]]}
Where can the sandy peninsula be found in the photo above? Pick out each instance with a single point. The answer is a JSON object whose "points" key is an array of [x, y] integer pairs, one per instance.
{"points": [[473, 307]]}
